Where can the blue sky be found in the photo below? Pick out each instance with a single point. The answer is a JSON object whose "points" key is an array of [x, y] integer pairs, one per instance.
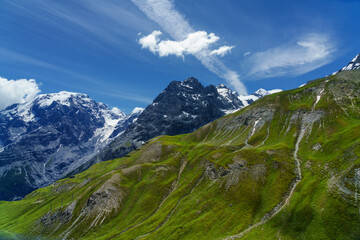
{"points": [[124, 53]]}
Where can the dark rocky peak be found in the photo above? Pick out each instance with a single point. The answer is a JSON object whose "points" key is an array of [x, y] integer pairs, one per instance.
{"points": [[190, 84]]}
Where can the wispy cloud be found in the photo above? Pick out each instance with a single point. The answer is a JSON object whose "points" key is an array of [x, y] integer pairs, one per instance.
{"points": [[123, 95], [303, 55], [103, 24], [163, 12], [7, 55], [17, 91]]}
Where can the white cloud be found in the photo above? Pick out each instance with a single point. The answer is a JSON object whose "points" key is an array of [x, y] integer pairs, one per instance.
{"points": [[163, 12], [150, 41], [192, 44], [199, 41], [302, 56], [17, 91], [221, 51]]}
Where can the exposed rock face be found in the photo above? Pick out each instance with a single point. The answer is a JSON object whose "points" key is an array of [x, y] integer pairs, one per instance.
{"points": [[43, 140], [106, 199], [58, 217], [181, 108]]}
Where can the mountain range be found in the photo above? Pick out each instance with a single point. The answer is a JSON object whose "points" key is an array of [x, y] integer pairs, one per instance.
{"points": [[182, 107], [60, 134], [42, 140], [286, 166]]}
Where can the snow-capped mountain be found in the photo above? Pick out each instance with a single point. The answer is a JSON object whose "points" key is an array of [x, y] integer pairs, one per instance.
{"points": [[181, 108], [233, 96], [353, 65], [44, 139]]}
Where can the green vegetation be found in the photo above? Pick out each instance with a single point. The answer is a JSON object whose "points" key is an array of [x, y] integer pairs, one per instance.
{"points": [[220, 179]]}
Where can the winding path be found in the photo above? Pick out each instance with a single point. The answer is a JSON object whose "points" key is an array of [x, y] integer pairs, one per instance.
{"points": [[286, 200]]}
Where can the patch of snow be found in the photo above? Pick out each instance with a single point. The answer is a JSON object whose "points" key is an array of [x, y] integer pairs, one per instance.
{"points": [[195, 97], [185, 114], [24, 111], [318, 97], [256, 95], [186, 85], [246, 99], [356, 57], [137, 110], [261, 92], [274, 91], [111, 121], [254, 128], [225, 92], [62, 97], [229, 111], [117, 111]]}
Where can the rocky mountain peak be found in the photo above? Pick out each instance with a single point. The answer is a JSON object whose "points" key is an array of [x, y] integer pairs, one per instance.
{"points": [[353, 65], [189, 84], [260, 92], [63, 98]]}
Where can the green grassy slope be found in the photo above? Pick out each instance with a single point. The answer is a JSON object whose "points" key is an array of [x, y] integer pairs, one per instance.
{"points": [[221, 179]]}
